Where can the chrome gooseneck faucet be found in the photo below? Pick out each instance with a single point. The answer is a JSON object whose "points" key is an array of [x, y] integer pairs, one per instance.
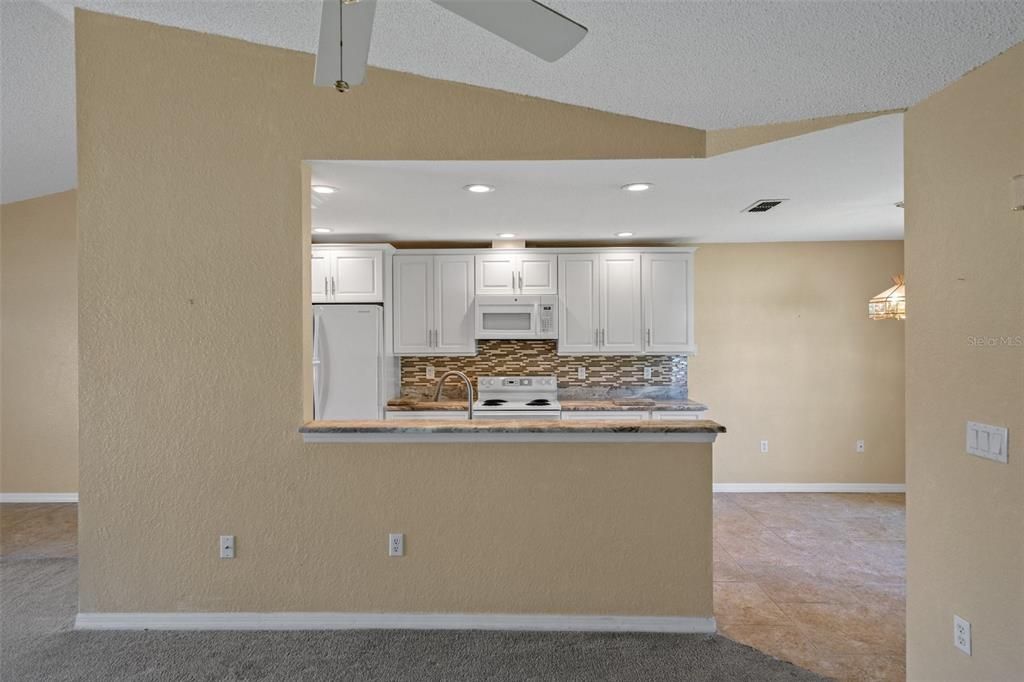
{"points": [[469, 388]]}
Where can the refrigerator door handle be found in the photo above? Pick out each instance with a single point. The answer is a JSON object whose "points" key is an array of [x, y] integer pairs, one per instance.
{"points": [[319, 375]]}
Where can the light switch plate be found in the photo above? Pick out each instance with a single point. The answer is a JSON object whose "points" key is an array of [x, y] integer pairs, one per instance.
{"points": [[989, 442]]}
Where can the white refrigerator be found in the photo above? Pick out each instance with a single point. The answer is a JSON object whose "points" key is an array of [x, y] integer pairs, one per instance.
{"points": [[348, 362]]}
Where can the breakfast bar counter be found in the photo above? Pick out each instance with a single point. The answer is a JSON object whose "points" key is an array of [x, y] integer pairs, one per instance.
{"points": [[492, 430]]}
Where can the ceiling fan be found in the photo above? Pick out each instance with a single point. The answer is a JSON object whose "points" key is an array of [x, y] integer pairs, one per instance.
{"points": [[346, 25]]}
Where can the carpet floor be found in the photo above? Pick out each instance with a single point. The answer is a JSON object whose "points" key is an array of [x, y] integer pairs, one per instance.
{"points": [[37, 642]]}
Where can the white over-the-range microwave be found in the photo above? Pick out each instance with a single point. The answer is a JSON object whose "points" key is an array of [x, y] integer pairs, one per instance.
{"points": [[516, 317]]}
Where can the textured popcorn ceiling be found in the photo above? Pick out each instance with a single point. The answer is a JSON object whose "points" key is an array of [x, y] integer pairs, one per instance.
{"points": [[702, 64]]}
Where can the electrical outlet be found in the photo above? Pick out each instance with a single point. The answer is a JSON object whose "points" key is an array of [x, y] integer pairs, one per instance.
{"points": [[227, 546], [430, 371], [647, 372], [396, 544], [581, 373], [860, 446], [764, 446], [961, 634]]}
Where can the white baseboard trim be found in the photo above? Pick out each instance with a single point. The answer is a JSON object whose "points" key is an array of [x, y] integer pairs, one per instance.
{"points": [[391, 621], [810, 487], [37, 498]]}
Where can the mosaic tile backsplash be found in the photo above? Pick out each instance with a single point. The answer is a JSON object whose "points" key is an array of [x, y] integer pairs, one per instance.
{"points": [[606, 374]]}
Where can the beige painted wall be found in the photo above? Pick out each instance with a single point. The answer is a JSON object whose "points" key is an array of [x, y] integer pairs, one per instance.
{"points": [[39, 366], [788, 354], [965, 274], [191, 325]]}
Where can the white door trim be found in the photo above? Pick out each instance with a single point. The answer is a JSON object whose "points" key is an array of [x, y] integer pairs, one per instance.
{"points": [[401, 621], [37, 498], [810, 487]]}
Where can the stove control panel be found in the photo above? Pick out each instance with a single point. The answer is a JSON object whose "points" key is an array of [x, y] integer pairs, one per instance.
{"points": [[518, 383]]}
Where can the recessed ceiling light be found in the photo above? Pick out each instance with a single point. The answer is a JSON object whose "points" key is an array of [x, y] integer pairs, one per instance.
{"points": [[322, 230], [507, 235], [623, 234], [637, 186], [324, 189], [478, 189]]}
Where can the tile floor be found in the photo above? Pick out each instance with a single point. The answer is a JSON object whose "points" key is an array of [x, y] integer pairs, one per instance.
{"points": [[815, 579]]}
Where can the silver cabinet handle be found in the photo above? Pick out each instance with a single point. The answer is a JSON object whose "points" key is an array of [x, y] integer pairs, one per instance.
{"points": [[436, 341], [332, 286], [520, 282], [327, 291], [597, 338], [648, 336], [513, 282]]}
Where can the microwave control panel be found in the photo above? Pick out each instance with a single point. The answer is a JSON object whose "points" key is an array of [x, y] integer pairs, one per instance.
{"points": [[546, 322]]}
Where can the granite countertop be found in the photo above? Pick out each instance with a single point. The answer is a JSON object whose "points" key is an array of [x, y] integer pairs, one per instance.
{"points": [[513, 426], [425, 405], [623, 405], [626, 405]]}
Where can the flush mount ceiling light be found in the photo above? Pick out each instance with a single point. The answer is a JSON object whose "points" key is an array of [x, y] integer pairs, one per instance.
{"points": [[637, 186], [322, 230], [507, 235], [478, 189], [623, 234], [891, 304], [324, 189]]}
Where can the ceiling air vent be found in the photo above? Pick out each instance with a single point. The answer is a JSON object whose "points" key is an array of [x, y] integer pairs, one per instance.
{"points": [[762, 205]]}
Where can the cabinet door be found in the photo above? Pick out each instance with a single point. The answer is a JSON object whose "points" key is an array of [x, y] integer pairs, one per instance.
{"points": [[413, 304], [668, 304], [357, 276], [621, 311], [658, 415], [578, 318], [454, 324], [320, 271], [496, 274], [538, 273], [609, 415]]}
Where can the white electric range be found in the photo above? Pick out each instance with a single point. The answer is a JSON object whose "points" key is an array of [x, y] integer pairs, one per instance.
{"points": [[517, 398]]}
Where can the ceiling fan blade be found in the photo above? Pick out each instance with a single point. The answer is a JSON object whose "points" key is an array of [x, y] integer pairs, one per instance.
{"points": [[345, 29], [526, 23]]}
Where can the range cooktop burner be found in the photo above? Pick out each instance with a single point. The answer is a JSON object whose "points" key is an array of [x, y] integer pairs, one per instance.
{"points": [[539, 402], [494, 402]]}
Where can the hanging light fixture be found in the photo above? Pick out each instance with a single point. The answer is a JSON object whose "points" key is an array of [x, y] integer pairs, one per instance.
{"points": [[891, 304]]}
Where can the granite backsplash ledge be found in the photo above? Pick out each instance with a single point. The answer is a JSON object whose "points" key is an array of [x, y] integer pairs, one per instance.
{"points": [[608, 376]]}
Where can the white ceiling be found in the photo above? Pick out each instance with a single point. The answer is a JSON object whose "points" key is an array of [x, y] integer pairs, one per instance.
{"points": [[710, 64], [841, 183]]}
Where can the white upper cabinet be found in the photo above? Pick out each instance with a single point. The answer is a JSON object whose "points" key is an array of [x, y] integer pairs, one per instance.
{"points": [[413, 304], [433, 305], [668, 303], [320, 271], [538, 273], [626, 303], [599, 303], [347, 275], [578, 313], [516, 272], [621, 311], [453, 305]]}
